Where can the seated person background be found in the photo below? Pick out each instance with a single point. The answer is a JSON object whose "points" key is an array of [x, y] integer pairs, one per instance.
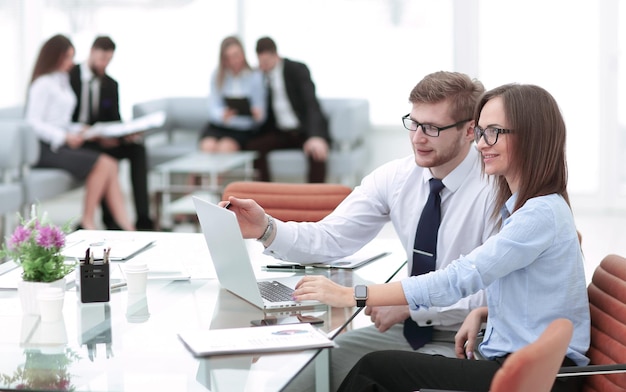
{"points": [[294, 116], [227, 130], [98, 101], [49, 109]]}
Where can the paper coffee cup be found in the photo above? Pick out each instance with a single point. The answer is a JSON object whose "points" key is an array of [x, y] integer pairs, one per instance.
{"points": [[136, 277]]}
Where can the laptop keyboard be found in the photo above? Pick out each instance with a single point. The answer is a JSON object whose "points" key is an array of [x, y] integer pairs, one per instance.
{"points": [[275, 291]]}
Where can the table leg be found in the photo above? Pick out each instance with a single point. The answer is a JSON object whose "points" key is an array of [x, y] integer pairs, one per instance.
{"points": [[166, 199], [322, 374]]}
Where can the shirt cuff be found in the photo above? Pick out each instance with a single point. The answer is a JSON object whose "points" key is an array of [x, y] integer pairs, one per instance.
{"points": [[282, 240]]}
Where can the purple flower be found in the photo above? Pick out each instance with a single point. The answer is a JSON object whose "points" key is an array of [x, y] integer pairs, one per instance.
{"points": [[20, 235], [50, 237]]}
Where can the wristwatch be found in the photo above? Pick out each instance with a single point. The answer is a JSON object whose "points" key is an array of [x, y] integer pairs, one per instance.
{"points": [[360, 294]]}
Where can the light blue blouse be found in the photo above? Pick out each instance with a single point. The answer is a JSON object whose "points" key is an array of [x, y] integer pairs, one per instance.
{"points": [[532, 271], [249, 84]]}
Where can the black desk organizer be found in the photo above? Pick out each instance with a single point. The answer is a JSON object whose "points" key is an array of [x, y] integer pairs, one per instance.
{"points": [[94, 282]]}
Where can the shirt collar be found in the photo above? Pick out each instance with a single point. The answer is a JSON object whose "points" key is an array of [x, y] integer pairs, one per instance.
{"points": [[85, 72], [455, 178], [507, 208], [277, 71]]}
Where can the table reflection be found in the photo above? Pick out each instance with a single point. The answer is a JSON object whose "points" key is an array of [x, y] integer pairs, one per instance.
{"points": [[94, 327]]}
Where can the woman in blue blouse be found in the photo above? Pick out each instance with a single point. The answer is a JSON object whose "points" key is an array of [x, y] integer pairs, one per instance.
{"points": [[49, 107], [229, 130], [532, 270]]}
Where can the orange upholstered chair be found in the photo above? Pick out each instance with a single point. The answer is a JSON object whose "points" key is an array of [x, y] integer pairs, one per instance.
{"points": [[289, 201], [607, 299], [534, 367]]}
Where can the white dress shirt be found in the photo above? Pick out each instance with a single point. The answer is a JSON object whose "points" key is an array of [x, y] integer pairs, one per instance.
{"points": [[397, 192], [88, 82], [49, 109], [284, 114]]}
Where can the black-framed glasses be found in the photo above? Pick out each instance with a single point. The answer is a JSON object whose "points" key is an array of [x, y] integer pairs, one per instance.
{"points": [[490, 134], [428, 129]]}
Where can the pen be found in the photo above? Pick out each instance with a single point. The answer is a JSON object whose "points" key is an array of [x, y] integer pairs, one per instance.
{"points": [[118, 285], [289, 267], [227, 206]]}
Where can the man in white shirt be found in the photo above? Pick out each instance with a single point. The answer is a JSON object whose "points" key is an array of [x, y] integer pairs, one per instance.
{"points": [[441, 131], [98, 101], [294, 116]]}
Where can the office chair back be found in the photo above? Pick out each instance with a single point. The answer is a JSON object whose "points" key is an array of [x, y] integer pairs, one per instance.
{"points": [[607, 300], [534, 367], [289, 201]]}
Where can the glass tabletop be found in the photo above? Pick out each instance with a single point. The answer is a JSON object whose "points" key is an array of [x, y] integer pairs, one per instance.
{"points": [[131, 342], [201, 162]]}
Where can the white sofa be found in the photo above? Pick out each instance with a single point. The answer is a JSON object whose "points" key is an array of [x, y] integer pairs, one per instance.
{"points": [[37, 184], [349, 123]]}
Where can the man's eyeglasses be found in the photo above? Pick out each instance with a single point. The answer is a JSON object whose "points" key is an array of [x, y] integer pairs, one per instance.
{"points": [[428, 129], [490, 134]]}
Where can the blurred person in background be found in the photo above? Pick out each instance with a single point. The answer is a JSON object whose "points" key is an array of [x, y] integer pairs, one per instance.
{"points": [[49, 107]]}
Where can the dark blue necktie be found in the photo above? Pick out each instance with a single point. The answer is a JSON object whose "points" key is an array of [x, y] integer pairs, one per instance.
{"points": [[425, 257]]}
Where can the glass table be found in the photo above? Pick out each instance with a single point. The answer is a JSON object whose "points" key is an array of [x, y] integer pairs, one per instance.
{"points": [[131, 343], [210, 168]]}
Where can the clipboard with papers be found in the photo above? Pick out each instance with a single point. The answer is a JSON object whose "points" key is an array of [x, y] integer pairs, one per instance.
{"points": [[363, 256], [119, 129]]}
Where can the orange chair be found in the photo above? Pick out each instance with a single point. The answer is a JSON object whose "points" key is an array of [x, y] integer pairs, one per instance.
{"points": [[607, 300], [607, 351], [288, 201], [534, 367]]}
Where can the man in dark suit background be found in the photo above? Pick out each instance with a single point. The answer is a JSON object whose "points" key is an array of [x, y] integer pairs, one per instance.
{"points": [[98, 101], [294, 115]]}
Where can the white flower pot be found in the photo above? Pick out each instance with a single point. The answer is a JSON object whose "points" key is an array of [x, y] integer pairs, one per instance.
{"points": [[28, 293]]}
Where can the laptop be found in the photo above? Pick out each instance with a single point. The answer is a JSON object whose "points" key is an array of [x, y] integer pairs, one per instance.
{"points": [[232, 261]]}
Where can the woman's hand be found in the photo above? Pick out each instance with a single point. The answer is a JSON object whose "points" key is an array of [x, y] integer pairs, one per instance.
{"points": [[257, 114], [465, 338], [74, 140], [228, 114], [250, 216], [324, 290]]}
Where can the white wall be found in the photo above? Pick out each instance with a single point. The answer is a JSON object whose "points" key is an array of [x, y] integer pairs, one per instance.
{"points": [[376, 49]]}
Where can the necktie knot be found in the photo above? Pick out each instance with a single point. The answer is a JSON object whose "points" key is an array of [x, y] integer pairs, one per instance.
{"points": [[436, 185]]}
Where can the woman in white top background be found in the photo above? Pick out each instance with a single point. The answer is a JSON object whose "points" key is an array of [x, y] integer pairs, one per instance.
{"points": [[49, 109]]}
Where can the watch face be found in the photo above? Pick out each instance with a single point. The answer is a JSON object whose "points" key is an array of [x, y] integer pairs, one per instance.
{"points": [[360, 291]]}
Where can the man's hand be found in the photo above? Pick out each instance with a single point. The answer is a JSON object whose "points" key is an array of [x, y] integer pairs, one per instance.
{"points": [[316, 147], [250, 216], [384, 317], [465, 338]]}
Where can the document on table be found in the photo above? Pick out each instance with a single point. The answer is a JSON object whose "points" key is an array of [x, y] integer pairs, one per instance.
{"points": [[121, 249], [361, 257], [119, 129], [11, 275], [275, 338]]}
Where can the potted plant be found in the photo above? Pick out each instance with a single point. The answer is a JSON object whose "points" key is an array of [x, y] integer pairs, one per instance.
{"points": [[35, 245]]}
